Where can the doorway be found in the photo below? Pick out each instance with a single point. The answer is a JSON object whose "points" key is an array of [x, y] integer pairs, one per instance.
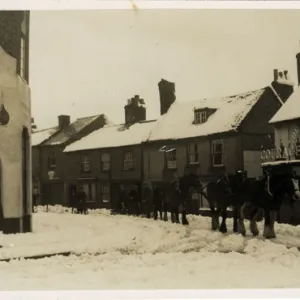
{"points": [[25, 181]]}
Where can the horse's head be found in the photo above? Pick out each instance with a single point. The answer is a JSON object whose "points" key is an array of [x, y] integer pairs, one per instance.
{"points": [[193, 181], [286, 184]]}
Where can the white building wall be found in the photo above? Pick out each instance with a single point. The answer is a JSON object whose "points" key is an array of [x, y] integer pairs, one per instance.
{"points": [[16, 98]]}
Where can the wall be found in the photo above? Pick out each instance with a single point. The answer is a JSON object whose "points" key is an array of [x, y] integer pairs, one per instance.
{"points": [[117, 173], [257, 121], [154, 160], [35, 161], [17, 102], [284, 131]]}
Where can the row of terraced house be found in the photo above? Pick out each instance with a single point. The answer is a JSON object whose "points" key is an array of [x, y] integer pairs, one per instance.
{"points": [[206, 136]]}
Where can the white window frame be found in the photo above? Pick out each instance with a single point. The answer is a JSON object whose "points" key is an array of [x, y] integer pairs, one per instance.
{"points": [[171, 157], [214, 152], [105, 162], [200, 117], [85, 161], [193, 153], [128, 162], [105, 190]]}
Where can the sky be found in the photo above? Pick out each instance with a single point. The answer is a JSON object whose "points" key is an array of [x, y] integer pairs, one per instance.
{"points": [[84, 63]]}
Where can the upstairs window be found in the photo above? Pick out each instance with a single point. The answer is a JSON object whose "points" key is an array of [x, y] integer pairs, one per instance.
{"points": [[200, 117], [85, 163], [52, 161], [24, 48], [218, 153], [171, 158], [193, 156], [128, 160], [105, 161]]}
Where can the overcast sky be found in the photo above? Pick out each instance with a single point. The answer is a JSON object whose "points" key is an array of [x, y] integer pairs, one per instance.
{"points": [[88, 62]]}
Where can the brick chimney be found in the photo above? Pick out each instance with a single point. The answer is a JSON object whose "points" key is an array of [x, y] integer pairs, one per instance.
{"points": [[282, 84], [298, 67], [135, 110], [64, 121], [166, 94]]}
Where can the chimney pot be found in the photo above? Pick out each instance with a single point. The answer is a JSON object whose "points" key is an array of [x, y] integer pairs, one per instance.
{"points": [[275, 74], [285, 72], [280, 74]]}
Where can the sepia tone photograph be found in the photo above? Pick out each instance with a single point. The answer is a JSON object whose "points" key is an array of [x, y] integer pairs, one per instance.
{"points": [[149, 149]]}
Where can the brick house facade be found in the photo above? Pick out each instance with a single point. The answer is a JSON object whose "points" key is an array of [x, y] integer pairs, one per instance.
{"points": [[50, 165]]}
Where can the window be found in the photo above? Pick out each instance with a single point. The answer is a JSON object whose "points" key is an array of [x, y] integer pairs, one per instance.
{"points": [[218, 153], [105, 193], [90, 191], [23, 58], [193, 156], [200, 117], [105, 161], [171, 158], [128, 160], [85, 163], [23, 62], [52, 161]]}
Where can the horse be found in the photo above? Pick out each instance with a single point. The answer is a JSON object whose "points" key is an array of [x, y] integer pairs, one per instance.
{"points": [[176, 194], [222, 194], [268, 193]]}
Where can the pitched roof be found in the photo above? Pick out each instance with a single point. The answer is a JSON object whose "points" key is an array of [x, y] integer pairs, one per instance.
{"points": [[290, 109], [114, 136], [64, 135], [230, 111], [38, 137]]}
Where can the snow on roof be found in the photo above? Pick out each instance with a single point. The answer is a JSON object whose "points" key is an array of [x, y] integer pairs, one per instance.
{"points": [[114, 136], [290, 109], [65, 134], [177, 123], [281, 162], [40, 136]]}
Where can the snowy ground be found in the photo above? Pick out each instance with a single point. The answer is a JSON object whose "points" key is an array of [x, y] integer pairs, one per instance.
{"points": [[123, 252]]}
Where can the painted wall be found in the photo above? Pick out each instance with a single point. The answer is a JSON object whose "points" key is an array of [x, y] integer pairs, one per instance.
{"points": [[284, 131], [16, 98]]}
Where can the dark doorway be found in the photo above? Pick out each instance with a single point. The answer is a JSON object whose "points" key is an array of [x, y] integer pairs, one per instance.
{"points": [[72, 194], [25, 181]]}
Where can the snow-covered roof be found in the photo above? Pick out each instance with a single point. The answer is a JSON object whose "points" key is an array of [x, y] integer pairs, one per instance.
{"points": [[281, 162], [230, 111], [40, 136], [67, 133], [113, 136], [290, 109]]}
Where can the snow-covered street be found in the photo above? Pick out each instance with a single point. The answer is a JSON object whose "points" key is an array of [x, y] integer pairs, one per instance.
{"points": [[122, 252]]}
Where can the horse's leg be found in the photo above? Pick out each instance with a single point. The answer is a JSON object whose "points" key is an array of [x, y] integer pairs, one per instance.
{"points": [[160, 213], [223, 227], [268, 231], [253, 225], [241, 224], [184, 218], [155, 215], [176, 214], [236, 214], [214, 217]]}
